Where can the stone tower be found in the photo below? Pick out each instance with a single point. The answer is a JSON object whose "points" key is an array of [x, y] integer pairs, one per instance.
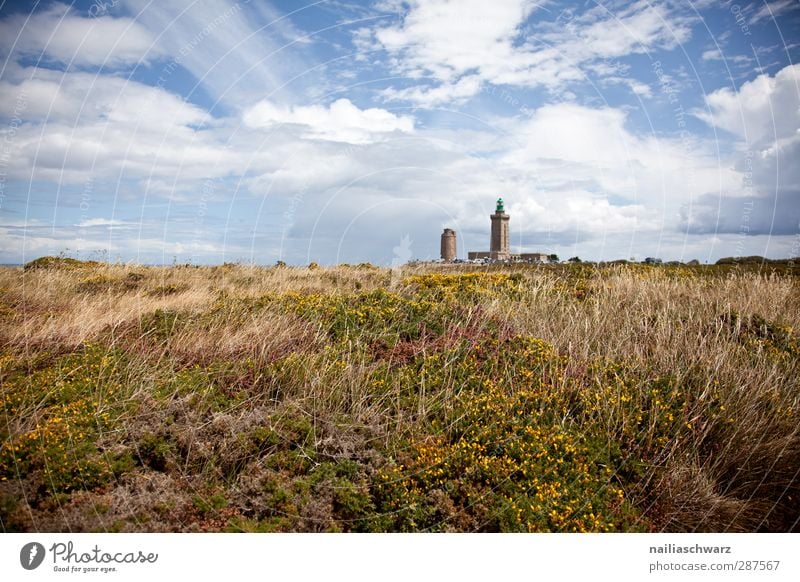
{"points": [[499, 248], [449, 245]]}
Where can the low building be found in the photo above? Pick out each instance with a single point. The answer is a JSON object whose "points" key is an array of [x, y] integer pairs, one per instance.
{"points": [[489, 256], [534, 257]]}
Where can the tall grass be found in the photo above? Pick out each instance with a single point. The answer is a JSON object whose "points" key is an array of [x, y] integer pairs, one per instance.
{"points": [[553, 398]]}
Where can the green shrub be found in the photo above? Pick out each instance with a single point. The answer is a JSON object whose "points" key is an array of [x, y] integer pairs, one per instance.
{"points": [[155, 451], [63, 263]]}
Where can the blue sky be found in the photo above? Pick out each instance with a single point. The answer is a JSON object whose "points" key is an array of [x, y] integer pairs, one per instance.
{"points": [[341, 131]]}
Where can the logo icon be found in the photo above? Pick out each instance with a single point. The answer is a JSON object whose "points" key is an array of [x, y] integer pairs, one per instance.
{"points": [[31, 555]]}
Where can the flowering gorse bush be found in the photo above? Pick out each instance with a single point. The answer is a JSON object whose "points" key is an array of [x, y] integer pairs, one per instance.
{"points": [[66, 407], [520, 398]]}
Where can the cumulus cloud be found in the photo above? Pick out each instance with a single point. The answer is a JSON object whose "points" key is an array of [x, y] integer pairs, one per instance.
{"points": [[451, 38], [764, 114], [587, 146], [766, 108], [460, 45], [581, 214], [712, 55], [340, 121], [78, 97], [77, 125], [590, 179], [59, 33], [427, 96]]}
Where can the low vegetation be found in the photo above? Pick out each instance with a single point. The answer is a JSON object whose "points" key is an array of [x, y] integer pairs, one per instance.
{"points": [[570, 397]]}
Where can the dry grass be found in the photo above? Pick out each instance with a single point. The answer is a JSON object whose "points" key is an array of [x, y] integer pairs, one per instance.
{"points": [[261, 399]]}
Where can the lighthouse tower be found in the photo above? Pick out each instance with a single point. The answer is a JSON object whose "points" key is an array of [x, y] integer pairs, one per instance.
{"points": [[499, 249], [448, 246]]}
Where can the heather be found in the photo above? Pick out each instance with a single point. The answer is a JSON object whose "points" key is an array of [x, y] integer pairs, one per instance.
{"points": [[429, 398]]}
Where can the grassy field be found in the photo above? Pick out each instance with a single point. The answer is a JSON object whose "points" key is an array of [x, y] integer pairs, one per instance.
{"points": [[432, 398]]}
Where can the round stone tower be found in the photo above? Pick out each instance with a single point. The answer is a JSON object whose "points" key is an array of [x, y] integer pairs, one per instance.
{"points": [[499, 248], [449, 245]]}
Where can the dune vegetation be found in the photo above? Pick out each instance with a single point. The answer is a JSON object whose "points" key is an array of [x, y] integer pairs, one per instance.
{"points": [[429, 398]]}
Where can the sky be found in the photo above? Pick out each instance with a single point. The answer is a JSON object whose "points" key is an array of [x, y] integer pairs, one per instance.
{"points": [[164, 131]]}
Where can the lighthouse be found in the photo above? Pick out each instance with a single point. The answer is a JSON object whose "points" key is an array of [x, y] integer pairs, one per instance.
{"points": [[499, 244], [448, 246]]}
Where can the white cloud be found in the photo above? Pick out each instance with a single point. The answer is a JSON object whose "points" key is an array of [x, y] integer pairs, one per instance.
{"points": [[766, 108], [78, 125], [462, 45], [60, 33], [76, 97], [591, 154], [465, 87], [114, 151], [146, 249], [238, 51], [452, 38], [95, 222], [770, 10], [590, 175], [764, 114], [715, 54], [340, 121], [641, 89], [581, 213], [637, 87], [567, 173]]}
